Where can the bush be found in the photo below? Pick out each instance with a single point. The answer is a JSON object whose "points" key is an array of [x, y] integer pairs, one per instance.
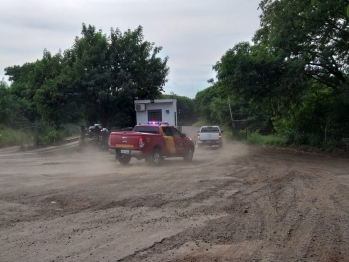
{"points": [[240, 135], [228, 134], [49, 135], [315, 140], [331, 143], [11, 137], [289, 136], [71, 130], [298, 138]]}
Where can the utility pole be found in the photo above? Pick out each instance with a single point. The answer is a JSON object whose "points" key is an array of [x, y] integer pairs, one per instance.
{"points": [[232, 118], [36, 131], [21, 138]]}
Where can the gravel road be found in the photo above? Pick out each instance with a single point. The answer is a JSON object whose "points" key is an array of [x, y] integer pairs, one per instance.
{"points": [[241, 203]]}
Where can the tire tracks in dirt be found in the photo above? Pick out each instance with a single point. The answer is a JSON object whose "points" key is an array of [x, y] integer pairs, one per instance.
{"points": [[236, 204]]}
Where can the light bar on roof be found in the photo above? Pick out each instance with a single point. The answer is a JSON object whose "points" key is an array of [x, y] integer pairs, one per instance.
{"points": [[157, 123]]}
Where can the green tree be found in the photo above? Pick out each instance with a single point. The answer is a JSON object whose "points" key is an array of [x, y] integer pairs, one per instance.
{"points": [[96, 79], [257, 75], [4, 99], [185, 108], [212, 105], [294, 76], [315, 32], [91, 66], [202, 101], [57, 99], [15, 111], [29, 79], [111, 71]]}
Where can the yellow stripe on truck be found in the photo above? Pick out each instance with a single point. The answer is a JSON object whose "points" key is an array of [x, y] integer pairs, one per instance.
{"points": [[170, 144]]}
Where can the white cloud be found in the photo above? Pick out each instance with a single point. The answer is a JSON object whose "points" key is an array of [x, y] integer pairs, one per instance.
{"points": [[194, 34]]}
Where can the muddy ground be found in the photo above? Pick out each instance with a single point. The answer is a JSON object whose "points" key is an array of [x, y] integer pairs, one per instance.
{"points": [[241, 203]]}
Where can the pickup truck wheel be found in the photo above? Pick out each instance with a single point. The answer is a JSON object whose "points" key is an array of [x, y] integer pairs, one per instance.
{"points": [[124, 159], [156, 157], [188, 156]]}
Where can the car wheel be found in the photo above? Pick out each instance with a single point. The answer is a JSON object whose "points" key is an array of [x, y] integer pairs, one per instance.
{"points": [[156, 157], [124, 159], [188, 156]]}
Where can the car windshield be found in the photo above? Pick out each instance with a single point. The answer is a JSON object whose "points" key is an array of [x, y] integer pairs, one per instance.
{"points": [[210, 129], [147, 129]]}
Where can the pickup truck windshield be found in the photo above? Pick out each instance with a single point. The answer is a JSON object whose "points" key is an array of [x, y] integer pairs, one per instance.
{"points": [[147, 129], [209, 129]]}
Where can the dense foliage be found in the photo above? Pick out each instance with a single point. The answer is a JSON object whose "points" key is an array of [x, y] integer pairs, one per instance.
{"points": [[293, 79], [96, 80]]}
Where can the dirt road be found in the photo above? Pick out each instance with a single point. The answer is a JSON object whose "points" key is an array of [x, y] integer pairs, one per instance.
{"points": [[241, 203]]}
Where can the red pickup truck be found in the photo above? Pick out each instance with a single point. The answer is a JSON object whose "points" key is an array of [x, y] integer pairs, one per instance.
{"points": [[152, 142]]}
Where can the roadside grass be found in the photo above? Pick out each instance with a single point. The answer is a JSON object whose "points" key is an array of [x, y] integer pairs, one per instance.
{"points": [[25, 137], [270, 140], [11, 137], [200, 123], [254, 138], [292, 140]]}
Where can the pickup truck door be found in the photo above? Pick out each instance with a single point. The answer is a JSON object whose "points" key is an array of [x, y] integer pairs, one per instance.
{"points": [[179, 142], [170, 143]]}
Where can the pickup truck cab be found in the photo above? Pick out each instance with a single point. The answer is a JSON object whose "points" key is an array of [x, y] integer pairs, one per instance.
{"points": [[153, 142], [209, 136]]}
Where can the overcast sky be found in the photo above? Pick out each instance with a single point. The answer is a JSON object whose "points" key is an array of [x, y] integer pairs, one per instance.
{"points": [[194, 34]]}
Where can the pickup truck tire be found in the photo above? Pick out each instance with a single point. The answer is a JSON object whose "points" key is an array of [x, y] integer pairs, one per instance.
{"points": [[188, 156], [156, 157], [124, 159]]}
